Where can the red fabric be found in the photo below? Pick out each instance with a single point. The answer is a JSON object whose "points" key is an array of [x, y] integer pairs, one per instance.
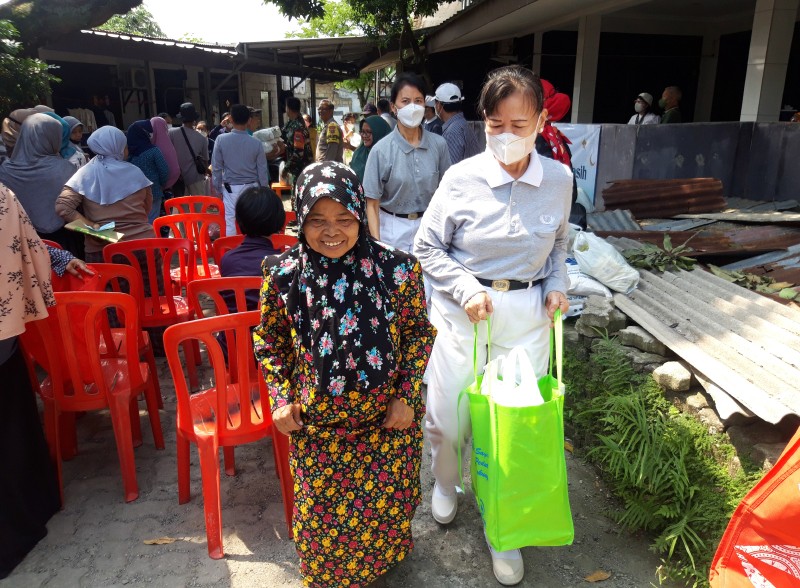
{"points": [[761, 546], [556, 103]]}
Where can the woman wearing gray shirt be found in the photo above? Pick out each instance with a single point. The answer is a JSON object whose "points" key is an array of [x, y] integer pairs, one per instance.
{"points": [[404, 169], [493, 241]]}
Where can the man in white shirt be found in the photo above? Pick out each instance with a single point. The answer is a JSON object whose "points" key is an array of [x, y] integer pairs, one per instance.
{"points": [[642, 106]]}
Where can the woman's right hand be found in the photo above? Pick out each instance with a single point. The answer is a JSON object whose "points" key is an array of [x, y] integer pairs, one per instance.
{"points": [[287, 418], [479, 307]]}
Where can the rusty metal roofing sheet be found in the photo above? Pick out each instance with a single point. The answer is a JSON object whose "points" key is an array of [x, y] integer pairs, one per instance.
{"points": [[665, 198], [721, 239], [745, 343], [746, 216], [612, 220], [764, 259]]}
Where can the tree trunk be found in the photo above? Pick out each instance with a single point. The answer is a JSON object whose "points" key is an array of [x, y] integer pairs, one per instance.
{"points": [[42, 21]]}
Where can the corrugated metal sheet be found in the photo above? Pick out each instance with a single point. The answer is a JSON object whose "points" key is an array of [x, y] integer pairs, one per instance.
{"points": [[747, 345], [665, 198], [612, 220], [684, 223], [766, 258], [760, 206], [747, 216], [677, 224], [721, 238]]}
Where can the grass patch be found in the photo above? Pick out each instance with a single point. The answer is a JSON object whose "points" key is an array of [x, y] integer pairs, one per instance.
{"points": [[670, 474]]}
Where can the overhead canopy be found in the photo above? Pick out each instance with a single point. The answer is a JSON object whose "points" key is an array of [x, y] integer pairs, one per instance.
{"points": [[484, 21], [331, 59]]}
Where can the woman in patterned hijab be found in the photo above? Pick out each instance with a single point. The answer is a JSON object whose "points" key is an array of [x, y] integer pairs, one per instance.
{"points": [[343, 343]]}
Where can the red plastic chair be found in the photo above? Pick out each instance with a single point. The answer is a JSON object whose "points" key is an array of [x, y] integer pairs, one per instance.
{"points": [[225, 244], [159, 306], [200, 204], [235, 410], [236, 288], [193, 226], [282, 242], [204, 204], [52, 243], [80, 378]]}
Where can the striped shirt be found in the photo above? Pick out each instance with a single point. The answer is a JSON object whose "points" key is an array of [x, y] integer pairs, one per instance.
{"points": [[461, 140]]}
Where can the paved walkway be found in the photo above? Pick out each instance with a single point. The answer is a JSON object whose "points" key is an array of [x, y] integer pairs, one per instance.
{"points": [[98, 539]]}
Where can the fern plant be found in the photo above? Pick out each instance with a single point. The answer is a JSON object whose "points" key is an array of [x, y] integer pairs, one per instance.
{"points": [[665, 467]]}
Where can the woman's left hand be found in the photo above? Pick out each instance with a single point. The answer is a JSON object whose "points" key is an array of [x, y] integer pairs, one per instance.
{"points": [[556, 300], [78, 268], [399, 415]]}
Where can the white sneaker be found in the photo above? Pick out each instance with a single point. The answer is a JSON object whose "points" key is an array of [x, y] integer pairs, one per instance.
{"points": [[507, 566], [443, 506]]}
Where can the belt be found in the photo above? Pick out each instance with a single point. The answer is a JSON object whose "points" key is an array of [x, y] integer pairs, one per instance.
{"points": [[410, 216], [507, 285]]}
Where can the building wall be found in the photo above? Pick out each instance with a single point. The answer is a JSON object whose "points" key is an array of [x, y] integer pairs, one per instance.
{"points": [[261, 91]]}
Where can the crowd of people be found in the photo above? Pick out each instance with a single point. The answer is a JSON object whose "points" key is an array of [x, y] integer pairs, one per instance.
{"points": [[408, 234]]}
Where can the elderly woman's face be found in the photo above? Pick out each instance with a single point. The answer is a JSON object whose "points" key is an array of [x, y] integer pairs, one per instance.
{"points": [[330, 229], [515, 114], [366, 135]]}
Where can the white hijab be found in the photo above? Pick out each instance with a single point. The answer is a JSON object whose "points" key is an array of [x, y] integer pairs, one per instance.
{"points": [[107, 178]]}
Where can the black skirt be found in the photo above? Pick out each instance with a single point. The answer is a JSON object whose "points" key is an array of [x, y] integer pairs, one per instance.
{"points": [[28, 485]]}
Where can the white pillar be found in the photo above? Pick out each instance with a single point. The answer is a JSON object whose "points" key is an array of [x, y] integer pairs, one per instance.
{"points": [[537, 53], [708, 77], [585, 69], [773, 27]]}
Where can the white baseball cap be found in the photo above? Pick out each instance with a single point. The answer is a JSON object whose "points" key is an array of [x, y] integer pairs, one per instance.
{"points": [[646, 97], [448, 93], [430, 101]]}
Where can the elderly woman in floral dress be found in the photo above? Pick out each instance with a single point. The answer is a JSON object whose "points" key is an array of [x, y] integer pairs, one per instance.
{"points": [[343, 343]]}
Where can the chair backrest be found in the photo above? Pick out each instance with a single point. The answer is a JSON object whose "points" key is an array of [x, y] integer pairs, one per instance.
{"points": [[204, 204], [225, 244], [247, 412], [231, 294], [282, 242], [66, 345], [52, 243], [291, 216], [195, 227], [152, 258]]}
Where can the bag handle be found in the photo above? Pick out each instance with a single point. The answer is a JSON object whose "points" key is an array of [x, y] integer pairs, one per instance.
{"points": [[519, 357], [557, 346], [462, 393]]}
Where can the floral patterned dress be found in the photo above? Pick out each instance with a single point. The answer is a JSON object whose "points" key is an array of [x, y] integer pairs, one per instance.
{"points": [[342, 337]]}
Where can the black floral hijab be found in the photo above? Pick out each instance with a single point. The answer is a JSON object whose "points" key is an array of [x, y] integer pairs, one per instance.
{"points": [[341, 308]]}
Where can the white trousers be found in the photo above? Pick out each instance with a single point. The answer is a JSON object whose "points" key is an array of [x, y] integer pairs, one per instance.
{"points": [[399, 232], [519, 318], [229, 199]]}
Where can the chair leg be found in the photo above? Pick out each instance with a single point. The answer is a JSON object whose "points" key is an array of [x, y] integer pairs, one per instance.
{"points": [[52, 433], [184, 489], [151, 362], [208, 449], [120, 406], [230, 460], [68, 435], [280, 452], [151, 397], [136, 424]]}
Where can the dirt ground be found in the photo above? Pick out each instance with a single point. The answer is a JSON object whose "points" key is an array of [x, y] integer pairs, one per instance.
{"points": [[97, 540]]}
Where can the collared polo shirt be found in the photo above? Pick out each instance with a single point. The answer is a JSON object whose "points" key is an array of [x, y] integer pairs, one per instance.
{"points": [[403, 177], [482, 223]]}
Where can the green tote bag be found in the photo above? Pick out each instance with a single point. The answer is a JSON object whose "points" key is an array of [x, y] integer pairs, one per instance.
{"points": [[519, 473]]}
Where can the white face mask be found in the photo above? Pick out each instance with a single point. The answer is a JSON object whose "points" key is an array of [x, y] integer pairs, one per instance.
{"points": [[411, 115], [508, 148], [638, 107]]}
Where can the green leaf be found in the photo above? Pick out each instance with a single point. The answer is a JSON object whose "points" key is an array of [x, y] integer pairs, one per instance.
{"points": [[667, 242], [789, 294]]}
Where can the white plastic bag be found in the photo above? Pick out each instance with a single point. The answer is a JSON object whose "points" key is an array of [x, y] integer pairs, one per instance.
{"points": [[599, 259], [511, 387], [582, 285]]}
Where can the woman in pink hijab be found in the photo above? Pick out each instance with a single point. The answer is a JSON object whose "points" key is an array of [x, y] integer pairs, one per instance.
{"points": [[161, 140]]}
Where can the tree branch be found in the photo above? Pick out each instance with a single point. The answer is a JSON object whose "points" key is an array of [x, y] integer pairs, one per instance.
{"points": [[42, 21]]}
